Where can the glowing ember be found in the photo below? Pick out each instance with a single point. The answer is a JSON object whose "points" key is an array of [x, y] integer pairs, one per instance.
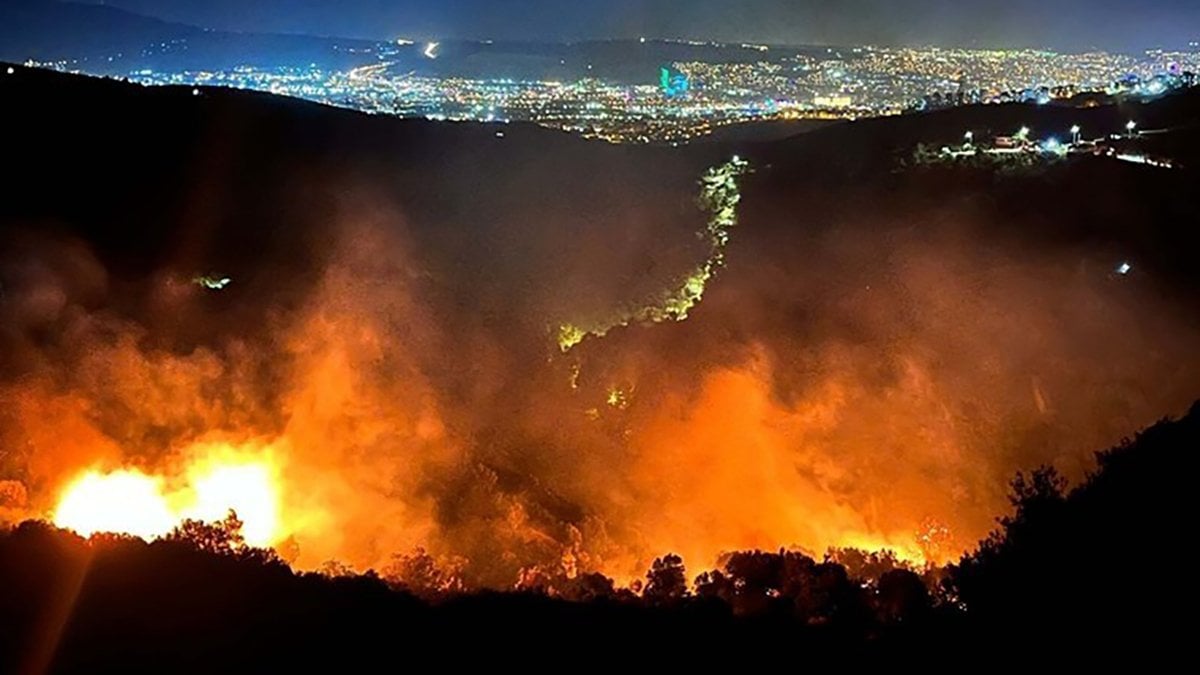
{"points": [[132, 502]]}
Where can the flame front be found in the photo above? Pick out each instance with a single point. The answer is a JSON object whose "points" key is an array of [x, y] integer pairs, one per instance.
{"points": [[128, 501], [248, 490]]}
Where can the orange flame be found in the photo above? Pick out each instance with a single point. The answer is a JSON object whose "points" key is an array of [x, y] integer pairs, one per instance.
{"points": [[128, 501], [125, 501]]}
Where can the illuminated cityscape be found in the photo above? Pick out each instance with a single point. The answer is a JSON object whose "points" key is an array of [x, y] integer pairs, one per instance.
{"points": [[681, 101]]}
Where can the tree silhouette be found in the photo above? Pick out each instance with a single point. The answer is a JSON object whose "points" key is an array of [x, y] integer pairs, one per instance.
{"points": [[867, 567], [222, 538], [589, 587], [666, 582], [1059, 565], [901, 597], [419, 573], [827, 595], [715, 585]]}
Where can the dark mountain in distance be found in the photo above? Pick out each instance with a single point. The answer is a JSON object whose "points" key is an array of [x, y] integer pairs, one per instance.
{"points": [[764, 131], [103, 40], [620, 61], [45, 30], [1068, 24]]}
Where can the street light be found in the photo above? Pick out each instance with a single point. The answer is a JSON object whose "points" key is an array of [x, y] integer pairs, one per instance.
{"points": [[1130, 127], [1075, 134]]}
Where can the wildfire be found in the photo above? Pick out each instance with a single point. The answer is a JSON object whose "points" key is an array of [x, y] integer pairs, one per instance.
{"points": [[826, 415], [129, 501]]}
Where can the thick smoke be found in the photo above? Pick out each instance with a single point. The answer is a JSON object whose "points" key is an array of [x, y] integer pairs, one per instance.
{"points": [[873, 385]]}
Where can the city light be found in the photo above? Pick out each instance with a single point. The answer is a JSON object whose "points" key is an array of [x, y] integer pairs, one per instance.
{"points": [[1054, 146], [678, 102]]}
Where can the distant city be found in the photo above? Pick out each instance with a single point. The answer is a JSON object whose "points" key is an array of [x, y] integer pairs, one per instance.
{"points": [[678, 100]]}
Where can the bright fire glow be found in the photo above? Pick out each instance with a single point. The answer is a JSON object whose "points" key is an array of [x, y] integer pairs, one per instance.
{"points": [[248, 490], [129, 501]]}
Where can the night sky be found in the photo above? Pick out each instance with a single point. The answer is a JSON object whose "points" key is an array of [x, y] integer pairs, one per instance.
{"points": [[1063, 24]]}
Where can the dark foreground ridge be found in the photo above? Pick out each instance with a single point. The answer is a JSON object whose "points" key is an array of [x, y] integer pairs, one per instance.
{"points": [[1066, 571]]}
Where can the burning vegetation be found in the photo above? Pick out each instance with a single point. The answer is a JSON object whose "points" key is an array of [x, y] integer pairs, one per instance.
{"points": [[360, 431], [719, 198], [401, 378], [127, 501], [1047, 578]]}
